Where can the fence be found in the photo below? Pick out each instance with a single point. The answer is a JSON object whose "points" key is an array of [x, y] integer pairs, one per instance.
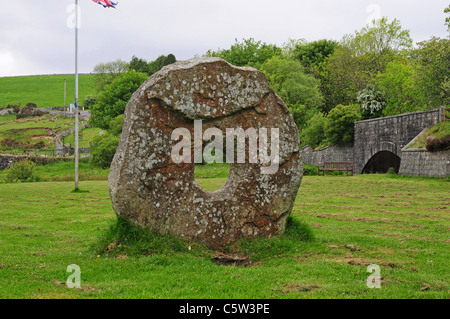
{"points": [[445, 114], [43, 156]]}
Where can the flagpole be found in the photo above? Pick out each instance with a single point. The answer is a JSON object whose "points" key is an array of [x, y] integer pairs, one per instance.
{"points": [[76, 96]]}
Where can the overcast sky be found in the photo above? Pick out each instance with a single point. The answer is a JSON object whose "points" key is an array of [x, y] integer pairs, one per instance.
{"points": [[36, 38]]}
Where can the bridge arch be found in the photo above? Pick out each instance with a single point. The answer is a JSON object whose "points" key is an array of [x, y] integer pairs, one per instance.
{"points": [[382, 156], [390, 134]]}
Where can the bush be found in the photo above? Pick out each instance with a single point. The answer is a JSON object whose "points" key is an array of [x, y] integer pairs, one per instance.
{"points": [[372, 102], [309, 170], [339, 127], [89, 100], [39, 145], [29, 112], [22, 171], [437, 144], [103, 149], [31, 105], [10, 143], [115, 126], [112, 100], [313, 134]]}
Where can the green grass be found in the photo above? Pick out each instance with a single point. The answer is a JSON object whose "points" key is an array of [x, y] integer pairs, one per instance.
{"points": [[35, 129], [85, 138], [440, 130], [65, 171], [340, 225], [44, 90]]}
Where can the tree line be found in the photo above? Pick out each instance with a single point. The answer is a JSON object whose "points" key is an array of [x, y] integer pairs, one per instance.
{"points": [[327, 85]]}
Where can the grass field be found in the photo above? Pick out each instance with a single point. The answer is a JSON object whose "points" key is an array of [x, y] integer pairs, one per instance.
{"points": [[85, 138], [44, 90], [400, 224], [30, 131]]}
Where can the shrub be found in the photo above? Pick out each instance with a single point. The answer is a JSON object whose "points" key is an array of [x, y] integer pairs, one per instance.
{"points": [[437, 144], [309, 170], [103, 149], [28, 112], [31, 105], [10, 143], [115, 126], [22, 171], [89, 100], [372, 102], [39, 145]]}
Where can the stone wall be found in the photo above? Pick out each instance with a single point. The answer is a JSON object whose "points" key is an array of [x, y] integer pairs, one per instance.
{"points": [[419, 162], [390, 133], [6, 161], [327, 154], [64, 150]]}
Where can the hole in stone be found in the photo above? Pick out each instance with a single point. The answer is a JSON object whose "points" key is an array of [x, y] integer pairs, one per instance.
{"points": [[212, 176]]}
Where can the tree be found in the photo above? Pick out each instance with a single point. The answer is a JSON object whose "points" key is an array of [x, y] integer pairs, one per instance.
{"points": [[433, 73], [361, 56], [314, 132], [247, 53], [105, 73], [447, 19], [139, 65], [379, 38], [399, 87], [314, 53], [160, 62], [300, 91], [112, 100], [339, 127]]}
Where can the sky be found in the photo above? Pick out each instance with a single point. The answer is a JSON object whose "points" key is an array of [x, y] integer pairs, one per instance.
{"points": [[38, 37]]}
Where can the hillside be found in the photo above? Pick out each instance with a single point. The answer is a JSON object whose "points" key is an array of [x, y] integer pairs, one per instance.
{"points": [[44, 90], [440, 131]]}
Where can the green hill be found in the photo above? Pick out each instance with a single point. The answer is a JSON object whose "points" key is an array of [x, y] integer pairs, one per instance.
{"points": [[440, 130], [44, 90]]}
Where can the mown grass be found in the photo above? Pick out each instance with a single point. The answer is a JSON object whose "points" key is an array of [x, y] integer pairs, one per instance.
{"points": [[44, 90], [339, 226]]}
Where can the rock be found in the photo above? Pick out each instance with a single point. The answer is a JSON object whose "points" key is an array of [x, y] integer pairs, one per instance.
{"points": [[148, 187]]}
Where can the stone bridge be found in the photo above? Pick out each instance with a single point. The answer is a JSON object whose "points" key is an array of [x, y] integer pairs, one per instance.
{"points": [[379, 142], [379, 145]]}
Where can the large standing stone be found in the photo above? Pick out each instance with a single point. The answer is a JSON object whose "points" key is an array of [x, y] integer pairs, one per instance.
{"points": [[148, 188]]}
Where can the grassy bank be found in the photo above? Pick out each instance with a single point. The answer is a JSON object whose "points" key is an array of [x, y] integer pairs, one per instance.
{"points": [[44, 90], [400, 224]]}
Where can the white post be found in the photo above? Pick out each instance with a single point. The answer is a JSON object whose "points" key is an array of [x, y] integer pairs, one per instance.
{"points": [[76, 95], [65, 89]]}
